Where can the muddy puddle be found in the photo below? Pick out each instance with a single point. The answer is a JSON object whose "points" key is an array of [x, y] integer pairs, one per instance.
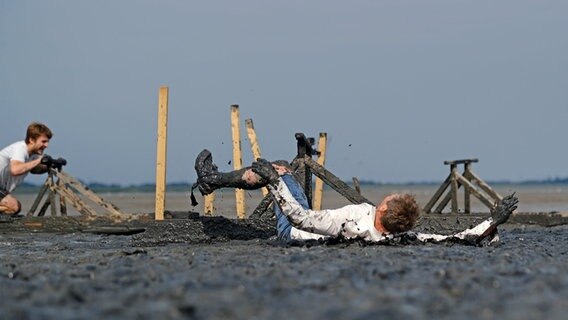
{"points": [[218, 268]]}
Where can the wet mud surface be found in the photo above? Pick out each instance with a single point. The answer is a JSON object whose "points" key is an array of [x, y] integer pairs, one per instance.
{"points": [[219, 268]]}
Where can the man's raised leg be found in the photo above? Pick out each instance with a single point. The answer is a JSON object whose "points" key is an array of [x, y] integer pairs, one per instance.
{"points": [[210, 179]]}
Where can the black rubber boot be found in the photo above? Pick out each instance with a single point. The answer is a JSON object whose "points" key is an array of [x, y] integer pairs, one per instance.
{"points": [[209, 179]]}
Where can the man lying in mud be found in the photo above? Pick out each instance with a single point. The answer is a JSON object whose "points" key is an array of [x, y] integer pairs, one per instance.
{"points": [[395, 215]]}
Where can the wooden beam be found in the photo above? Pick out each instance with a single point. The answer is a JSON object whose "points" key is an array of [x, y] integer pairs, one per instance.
{"points": [[62, 202], [262, 207], [454, 188], [437, 194], [161, 153], [254, 146], [52, 197], [334, 182], [474, 191], [466, 191], [445, 201], [484, 186], [318, 191], [75, 184], [237, 158], [74, 199], [41, 193], [304, 173]]}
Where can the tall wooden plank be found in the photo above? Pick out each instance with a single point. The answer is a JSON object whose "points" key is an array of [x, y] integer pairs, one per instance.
{"points": [[237, 158], [208, 206], [161, 153], [318, 191], [254, 146]]}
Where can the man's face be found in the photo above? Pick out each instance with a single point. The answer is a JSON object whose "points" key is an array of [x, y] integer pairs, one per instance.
{"points": [[38, 145]]}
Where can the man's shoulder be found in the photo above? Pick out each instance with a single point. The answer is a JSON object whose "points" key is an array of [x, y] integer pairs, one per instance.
{"points": [[16, 148], [361, 208]]}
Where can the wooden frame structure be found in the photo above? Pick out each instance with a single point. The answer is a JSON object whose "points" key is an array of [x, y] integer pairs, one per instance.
{"points": [[66, 188], [304, 166], [454, 181]]}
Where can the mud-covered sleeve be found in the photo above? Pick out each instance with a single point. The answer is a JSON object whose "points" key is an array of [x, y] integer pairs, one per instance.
{"points": [[475, 231], [324, 222]]}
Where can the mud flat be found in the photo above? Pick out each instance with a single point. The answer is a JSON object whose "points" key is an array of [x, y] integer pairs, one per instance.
{"points": [[220, 268]]}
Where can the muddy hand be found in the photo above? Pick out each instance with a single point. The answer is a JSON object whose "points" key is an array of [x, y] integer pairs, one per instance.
{"points": [[504, 208], [266, 171]]}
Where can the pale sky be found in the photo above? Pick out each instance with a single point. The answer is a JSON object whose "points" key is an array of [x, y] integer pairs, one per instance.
{"points": [[399, 86]]}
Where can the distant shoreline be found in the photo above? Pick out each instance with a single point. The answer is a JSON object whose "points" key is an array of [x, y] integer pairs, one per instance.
{"points": [[26, 188]]}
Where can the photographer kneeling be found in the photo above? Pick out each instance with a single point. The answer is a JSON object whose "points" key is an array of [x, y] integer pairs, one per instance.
{"points": [[20, 158]]}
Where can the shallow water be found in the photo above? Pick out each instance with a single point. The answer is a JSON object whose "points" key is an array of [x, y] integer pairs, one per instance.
{"points": [[532, 198]]}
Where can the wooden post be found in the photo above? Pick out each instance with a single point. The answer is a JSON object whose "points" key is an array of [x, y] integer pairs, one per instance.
{"points": [[254, 145], [237, 158], [303, 172], [161, 153], [318, 192], [208, 207], [62, 202], [466, 191], [52, 195], [454, 187], [37, 201]]}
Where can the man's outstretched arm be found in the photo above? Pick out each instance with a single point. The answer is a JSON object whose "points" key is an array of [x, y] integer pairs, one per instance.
{"points": [[500, 213]]}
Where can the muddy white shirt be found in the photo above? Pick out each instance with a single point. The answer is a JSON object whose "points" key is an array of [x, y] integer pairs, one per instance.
{"points": [[352, 221], [16, 151]]}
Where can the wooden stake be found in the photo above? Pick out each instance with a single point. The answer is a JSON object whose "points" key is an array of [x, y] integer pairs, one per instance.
{"points": [[161, 153], [318, 192], [237, 158], [254, 145], [208, 207]]}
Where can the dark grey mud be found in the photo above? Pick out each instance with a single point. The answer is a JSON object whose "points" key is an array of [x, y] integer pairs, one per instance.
{"points": [[217, 268]]}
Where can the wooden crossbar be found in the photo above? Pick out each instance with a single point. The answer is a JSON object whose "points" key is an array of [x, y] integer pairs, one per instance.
{"points": [[304, 166]]}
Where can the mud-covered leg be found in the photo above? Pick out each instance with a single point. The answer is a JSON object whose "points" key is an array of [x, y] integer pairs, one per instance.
{"points": [[210, 179]]}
